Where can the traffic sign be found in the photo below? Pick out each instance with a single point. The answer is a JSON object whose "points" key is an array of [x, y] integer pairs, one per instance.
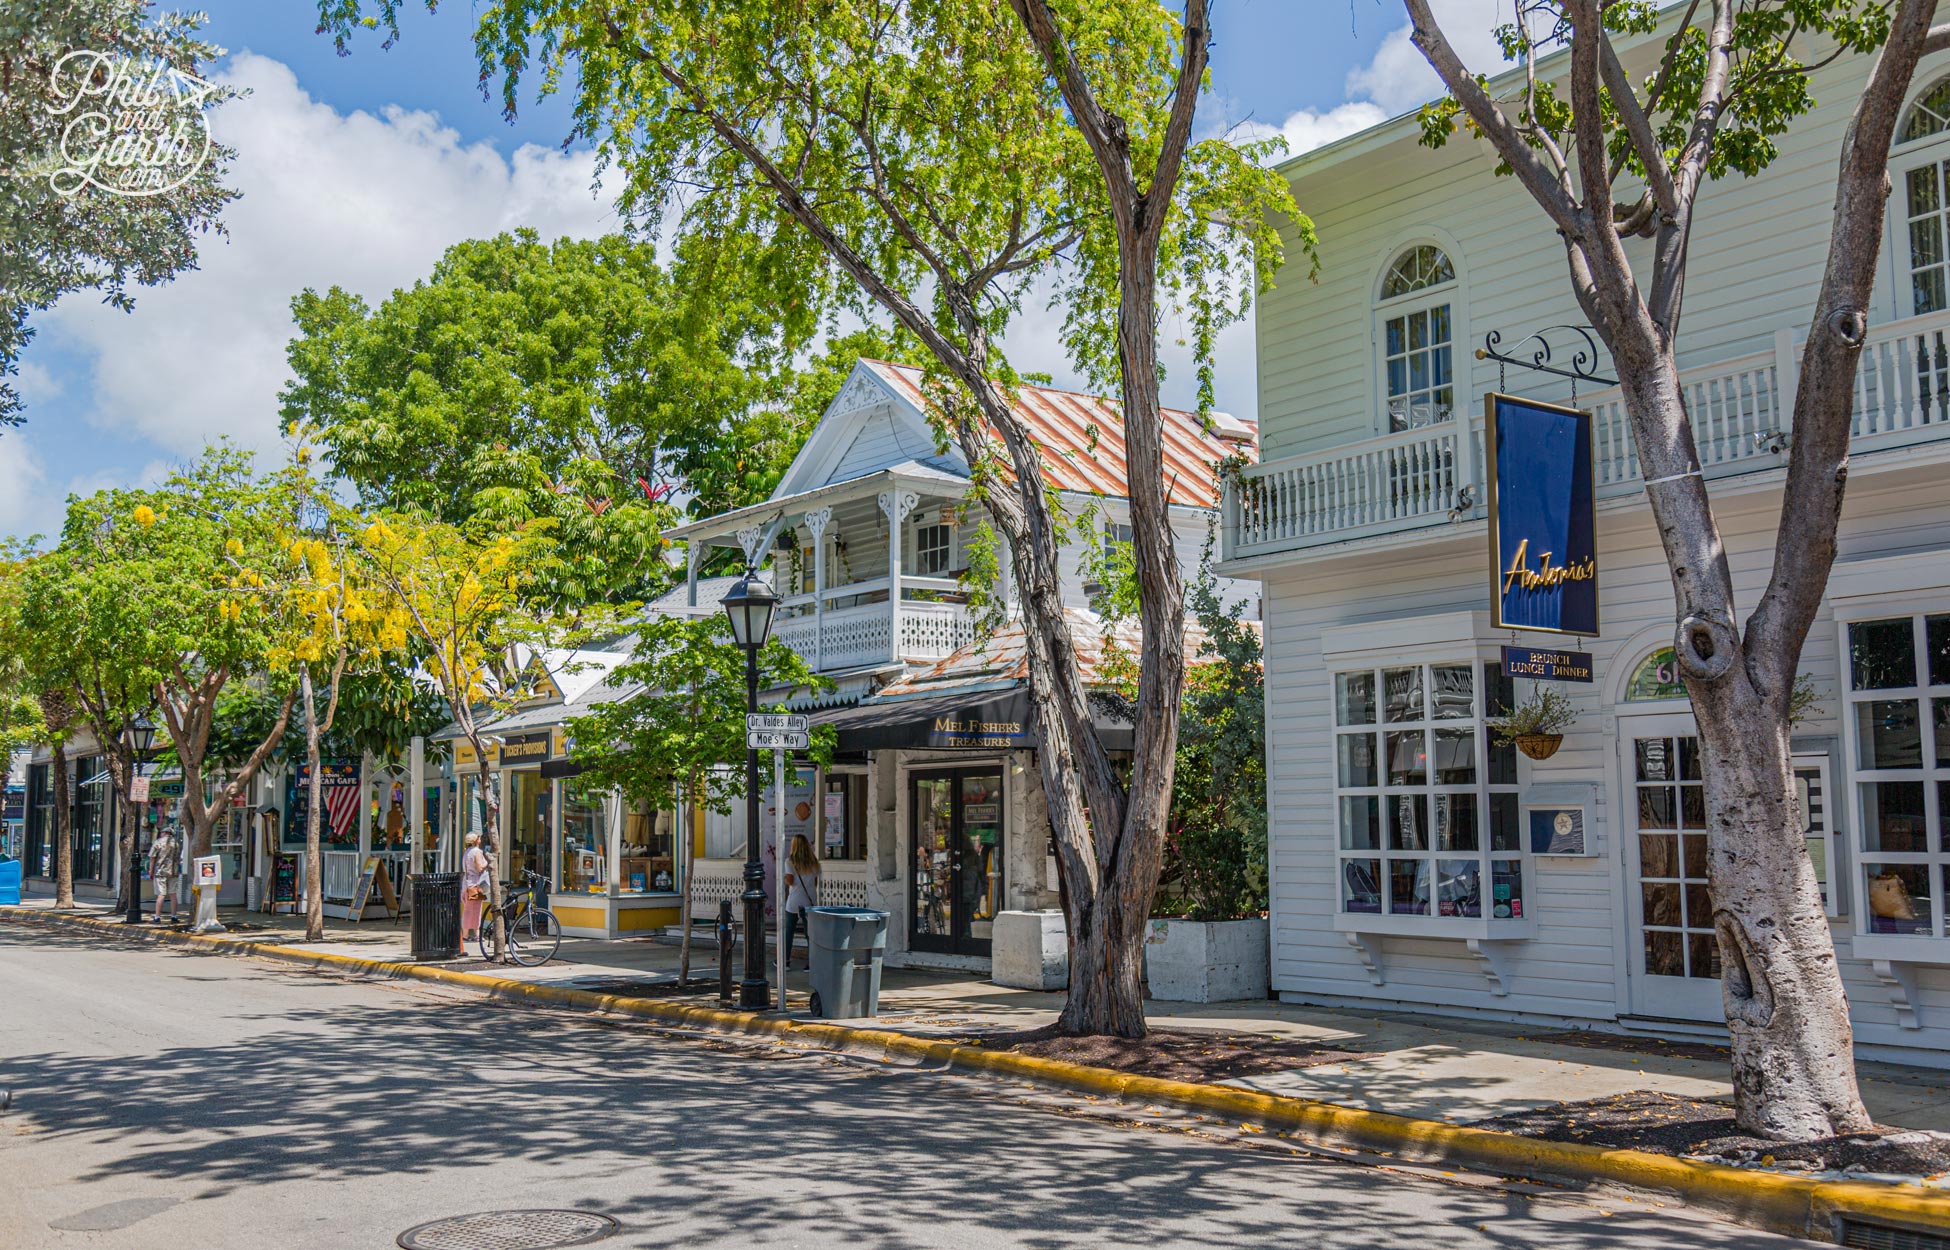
{"points": [[777, 740], [755, 721]]}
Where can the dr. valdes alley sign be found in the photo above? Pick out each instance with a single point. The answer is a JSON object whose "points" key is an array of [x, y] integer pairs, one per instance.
{"points": [[1543, 536]]}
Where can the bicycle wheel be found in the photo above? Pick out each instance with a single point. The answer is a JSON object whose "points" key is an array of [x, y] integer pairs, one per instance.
{"points": [[534, 939], [486, 936]]}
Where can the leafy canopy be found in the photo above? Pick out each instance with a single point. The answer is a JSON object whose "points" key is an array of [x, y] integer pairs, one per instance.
{"points": [[92, 239], [684, 715]]}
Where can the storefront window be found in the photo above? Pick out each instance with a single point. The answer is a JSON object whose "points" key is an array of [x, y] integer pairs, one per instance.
{"points": [[1427, 802], [1898, 723], [844, 835], [527, 820], [649, 863], [585, 841]]}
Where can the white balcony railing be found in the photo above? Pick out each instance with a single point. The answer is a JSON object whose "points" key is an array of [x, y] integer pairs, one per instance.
{"points": [[862, 633], [1741, 411]]}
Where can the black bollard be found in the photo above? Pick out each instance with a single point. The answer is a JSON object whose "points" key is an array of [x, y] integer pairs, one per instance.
{"points": [[724, 952]]}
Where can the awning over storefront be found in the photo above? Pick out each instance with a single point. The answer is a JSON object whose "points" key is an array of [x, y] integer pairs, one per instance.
{"points": [[959, 720]]}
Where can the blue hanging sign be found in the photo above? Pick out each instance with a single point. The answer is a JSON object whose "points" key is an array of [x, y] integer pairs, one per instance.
{"points": [[1543, 533]]}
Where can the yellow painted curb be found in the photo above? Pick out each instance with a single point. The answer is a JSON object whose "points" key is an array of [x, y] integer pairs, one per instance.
{"points": [[1799, 1206]]}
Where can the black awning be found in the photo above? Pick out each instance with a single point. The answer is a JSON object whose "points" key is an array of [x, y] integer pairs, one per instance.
{"points": [[996, 719], [561, 768]]}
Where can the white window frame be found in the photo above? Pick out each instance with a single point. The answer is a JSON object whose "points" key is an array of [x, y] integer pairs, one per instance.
{"points": [[1904, 157], [1432, 923], [1385, 309], [911, 550], [1934, 946]]}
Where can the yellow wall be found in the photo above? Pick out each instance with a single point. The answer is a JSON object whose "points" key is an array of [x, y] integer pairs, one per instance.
{"points": [[580, 917], [638, 919]]}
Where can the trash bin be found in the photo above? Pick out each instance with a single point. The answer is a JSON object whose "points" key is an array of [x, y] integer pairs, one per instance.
{"points": [[847, 945], [436, 915], [10, 870]]}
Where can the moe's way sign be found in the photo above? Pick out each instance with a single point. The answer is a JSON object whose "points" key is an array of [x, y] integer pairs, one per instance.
{"points": [[1543, 535]]}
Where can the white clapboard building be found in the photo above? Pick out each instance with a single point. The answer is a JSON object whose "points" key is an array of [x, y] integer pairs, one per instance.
{"points": [[1402, 867]]}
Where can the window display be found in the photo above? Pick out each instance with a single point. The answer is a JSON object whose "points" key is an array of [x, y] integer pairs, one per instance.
{"points": [[584, 868], [527, 821], [1424, 797], [1898, 738], [648, 864]]}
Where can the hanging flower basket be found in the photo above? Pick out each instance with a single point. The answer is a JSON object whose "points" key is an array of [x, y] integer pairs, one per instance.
{"points": [[1539, 746]]}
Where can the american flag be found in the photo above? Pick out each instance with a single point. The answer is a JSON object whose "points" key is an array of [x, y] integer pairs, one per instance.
{"points": [[342, 810]]}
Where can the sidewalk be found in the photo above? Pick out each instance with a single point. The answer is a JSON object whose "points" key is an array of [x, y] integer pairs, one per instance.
{"points": [[1421, 1066]]}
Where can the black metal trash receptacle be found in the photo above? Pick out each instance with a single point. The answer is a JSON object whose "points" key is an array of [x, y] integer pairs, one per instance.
{"points": [[846, 947], [436, 915]]}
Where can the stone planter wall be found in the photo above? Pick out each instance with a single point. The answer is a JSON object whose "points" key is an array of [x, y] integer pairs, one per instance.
{"points": [[1031, 950], [1206, 961]]}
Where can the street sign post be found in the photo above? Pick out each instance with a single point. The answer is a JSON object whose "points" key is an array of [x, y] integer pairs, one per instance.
{"points": [[777, 740], [756, 722]]}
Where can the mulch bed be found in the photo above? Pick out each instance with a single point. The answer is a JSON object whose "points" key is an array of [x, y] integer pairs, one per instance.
{"points": [[1175, 1054], [1666, 1125], [1634, 1045]]}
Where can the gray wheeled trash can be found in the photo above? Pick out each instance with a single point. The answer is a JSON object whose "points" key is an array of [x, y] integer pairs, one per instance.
{"points": [[846, 945]]}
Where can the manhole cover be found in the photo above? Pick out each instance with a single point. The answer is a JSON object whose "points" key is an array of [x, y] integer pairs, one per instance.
{"points": [[510, 1230]]}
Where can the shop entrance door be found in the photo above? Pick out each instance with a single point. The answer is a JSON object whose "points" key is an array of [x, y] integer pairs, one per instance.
{"points": [[955, 873], [229, 841], [1674, 957]]}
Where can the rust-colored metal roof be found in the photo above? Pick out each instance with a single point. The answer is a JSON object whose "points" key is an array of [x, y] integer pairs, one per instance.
{"points": [[1062, 421]]}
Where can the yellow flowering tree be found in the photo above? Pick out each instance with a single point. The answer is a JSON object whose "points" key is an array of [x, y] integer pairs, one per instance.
{"points": [[341, 618], [459, 595]]}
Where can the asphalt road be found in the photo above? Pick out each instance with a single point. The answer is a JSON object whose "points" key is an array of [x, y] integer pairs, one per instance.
{"points": [[164, 1098]]}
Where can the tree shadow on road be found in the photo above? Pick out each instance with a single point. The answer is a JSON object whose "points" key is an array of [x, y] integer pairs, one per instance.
{"points": [[689, 1139]]}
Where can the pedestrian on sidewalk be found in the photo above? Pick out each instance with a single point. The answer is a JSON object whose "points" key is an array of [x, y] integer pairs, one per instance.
{"points": [[801, 889], [473, 887], [165, 864]]}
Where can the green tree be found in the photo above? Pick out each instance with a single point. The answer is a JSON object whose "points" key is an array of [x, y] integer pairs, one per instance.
{"points": [[74, 632], [1611, 159], [578, 380], [682, 723], [934, 158], [65, 240], [183, 580]]}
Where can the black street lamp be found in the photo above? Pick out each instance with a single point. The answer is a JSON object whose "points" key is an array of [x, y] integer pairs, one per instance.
{"points": [[140, 735], [751, 605]]}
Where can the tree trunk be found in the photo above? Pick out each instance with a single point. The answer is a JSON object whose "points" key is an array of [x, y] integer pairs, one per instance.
{"points": [[1107, 967], [314, 788], [491, 845], [1787, 1014], [63, 831], [1793, 1048]]}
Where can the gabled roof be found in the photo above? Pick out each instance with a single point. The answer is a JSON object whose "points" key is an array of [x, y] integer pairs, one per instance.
{"points": [[1062, 424], [1080, 437]]}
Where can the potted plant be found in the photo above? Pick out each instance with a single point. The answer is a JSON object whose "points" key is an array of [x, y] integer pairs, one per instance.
{"points": [[1537, 724]]}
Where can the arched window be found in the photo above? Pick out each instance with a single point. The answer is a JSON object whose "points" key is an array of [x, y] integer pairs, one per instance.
{"points": [[1920, 168], [1656, 677], [1416, 330]]}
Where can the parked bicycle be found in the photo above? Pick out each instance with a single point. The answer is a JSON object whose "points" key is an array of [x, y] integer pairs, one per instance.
{"points": [[534, 934]]}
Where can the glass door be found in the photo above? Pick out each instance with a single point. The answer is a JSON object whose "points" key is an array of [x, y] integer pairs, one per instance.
{"points": [[956, 868], [1674, 955]]}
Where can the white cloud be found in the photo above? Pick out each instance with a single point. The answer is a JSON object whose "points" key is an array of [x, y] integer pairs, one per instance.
{"points": [[22, 509], [362, 201], [1308, 129], [1399, 77], [35, 384]]}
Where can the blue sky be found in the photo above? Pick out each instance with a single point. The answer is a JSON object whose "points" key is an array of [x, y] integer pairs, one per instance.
{"points": [[360, 170]]}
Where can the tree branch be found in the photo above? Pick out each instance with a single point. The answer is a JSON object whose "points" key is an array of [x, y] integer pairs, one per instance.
{"points": [[1547, 186]]}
